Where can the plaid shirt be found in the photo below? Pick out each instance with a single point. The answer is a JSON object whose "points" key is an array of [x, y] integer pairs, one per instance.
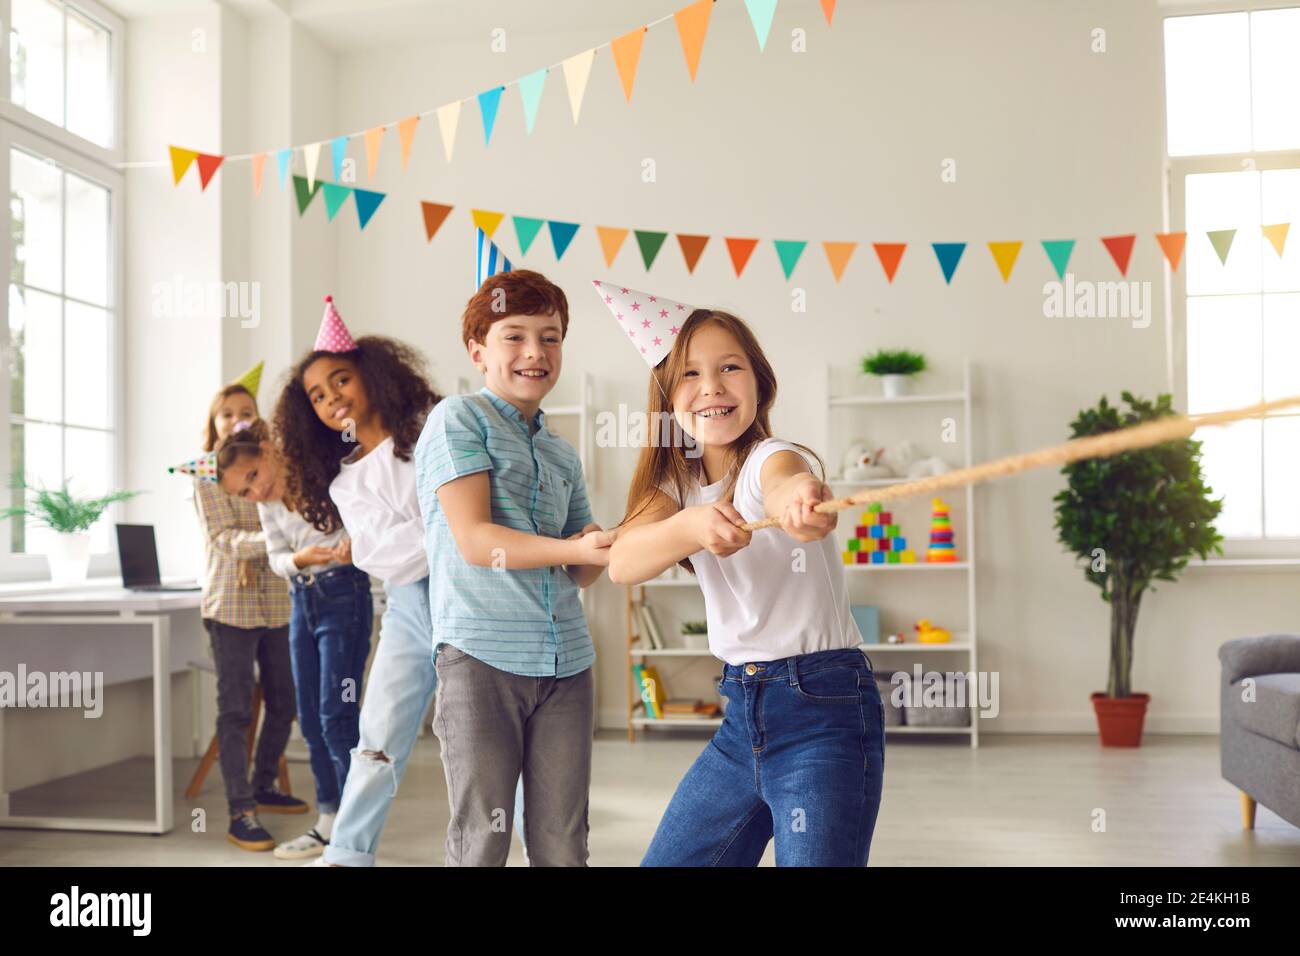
{"points": [[239, 588]]}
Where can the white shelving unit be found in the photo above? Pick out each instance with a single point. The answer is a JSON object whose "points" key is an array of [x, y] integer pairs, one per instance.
{"points": [[965, 640]]}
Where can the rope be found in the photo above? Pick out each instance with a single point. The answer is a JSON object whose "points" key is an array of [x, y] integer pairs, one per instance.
{"points": [[1145, 435]]}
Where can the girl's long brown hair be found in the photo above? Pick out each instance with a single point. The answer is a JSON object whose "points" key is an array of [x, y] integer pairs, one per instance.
{"points": [[397, 386], [663, 461], [210, 432]]}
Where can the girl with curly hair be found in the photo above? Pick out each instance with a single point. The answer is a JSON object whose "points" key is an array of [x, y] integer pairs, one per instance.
{"points": [[330, 618]]}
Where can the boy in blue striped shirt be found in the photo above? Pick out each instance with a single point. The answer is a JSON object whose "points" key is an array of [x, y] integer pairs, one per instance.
{"points": [[510, 540]]}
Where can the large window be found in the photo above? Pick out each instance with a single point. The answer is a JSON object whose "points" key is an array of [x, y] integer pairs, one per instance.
{"points": [[1234, 164], [60, 239]]}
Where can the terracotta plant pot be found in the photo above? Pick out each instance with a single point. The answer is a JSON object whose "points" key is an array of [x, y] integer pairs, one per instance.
{"points": [[1119, 719]]}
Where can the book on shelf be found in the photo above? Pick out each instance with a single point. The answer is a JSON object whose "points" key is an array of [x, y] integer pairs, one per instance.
{"points": [[682, 709], [653, 634], [651, 688]]}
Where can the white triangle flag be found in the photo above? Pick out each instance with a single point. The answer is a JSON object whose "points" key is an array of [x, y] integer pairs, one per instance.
{"points": [[311, 153], [448, 117], [576, 70]]}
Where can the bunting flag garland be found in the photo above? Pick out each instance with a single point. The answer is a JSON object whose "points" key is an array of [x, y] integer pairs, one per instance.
{"points": [[1059, 252], [434, 214], [207, 166], [627, 54], [338, 153], [1120, 248], [406, 136], [530, 91], [304, 193], [335, 197], [562, 234], [181, 160], [740, 251], [576, 71], [311, 155], [838, 255], [761, 13], [367, 202], [788, 251], [487, 221], [448, 117], [1221, 239], [948, 254], [282, 160], [692, 24], [259, 166], [611, 240], [692, 249], [890, 255], [1276, 234], [374, 139], [828, 8], [1005, 255], [488, 103], [650, 243], [526, 231], [1172, 244]]}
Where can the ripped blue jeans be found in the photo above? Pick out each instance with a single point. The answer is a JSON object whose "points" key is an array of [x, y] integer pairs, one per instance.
{"points": [[397, 696]]}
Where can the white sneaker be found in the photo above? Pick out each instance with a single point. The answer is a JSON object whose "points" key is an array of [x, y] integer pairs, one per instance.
{"points": [[309, 844], [319, 861]]}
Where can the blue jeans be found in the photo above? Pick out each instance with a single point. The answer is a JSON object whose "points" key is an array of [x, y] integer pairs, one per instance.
{"points": [[329, 636], [799, 758], [398, 695]]}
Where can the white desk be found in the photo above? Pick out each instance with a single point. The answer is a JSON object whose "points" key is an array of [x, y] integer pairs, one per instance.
{"points": [[112, 618]]}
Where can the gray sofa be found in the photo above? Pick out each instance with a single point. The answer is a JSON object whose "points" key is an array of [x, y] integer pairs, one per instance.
{"points": [[1259, 740]]}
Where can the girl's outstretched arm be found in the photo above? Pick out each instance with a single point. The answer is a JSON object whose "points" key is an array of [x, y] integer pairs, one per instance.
{"points": [[663, 534]]}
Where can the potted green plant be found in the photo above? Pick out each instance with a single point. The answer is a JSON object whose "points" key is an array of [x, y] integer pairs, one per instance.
{"points": [[695, 635], [1134, 518], [71, 518], [895, 369]]}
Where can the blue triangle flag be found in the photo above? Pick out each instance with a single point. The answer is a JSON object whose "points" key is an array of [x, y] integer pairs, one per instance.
{"points": [[367, 202], [339, 152], [282, 160], [488, 101], [561, 235], [948, 254]]}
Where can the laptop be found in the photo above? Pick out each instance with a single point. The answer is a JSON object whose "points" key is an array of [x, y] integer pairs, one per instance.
{"points": [[137, 552]]}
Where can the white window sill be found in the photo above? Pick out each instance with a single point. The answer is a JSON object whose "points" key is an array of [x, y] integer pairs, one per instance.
{"points": [[1245, 564]]}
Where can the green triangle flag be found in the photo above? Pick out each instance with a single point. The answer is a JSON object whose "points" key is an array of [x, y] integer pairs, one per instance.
{"points": [[335, 197], [1059, 251], [527, 229], [303, 194], [789, 250], [650, 243], [1221, 239]]}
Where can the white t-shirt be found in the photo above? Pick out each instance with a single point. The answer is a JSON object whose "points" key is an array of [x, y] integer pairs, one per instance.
{"points": [[376, 499], [759, 605], [287, 533]]}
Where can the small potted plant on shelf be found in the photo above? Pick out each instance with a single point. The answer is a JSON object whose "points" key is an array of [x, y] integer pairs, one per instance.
{"points": [[895, 369], [71, 519], [695, 635], [1133, 518]]}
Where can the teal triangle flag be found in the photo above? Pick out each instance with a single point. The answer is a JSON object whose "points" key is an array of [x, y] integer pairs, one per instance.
{"points": [[948, 254], [282, 160], [530, 88], [760, 14], [488, 101], [339, 152], [1059, 251], [367, 202], [789, 250], [335, 197], [561, 235], [527, 229]]}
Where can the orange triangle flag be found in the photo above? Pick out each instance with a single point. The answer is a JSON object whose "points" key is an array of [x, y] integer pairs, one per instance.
{"points": [[259, 164], [828, 8], [692, 24], [611, 240], [406, 133], [181, 159], [1120, 248], [627, 53], [890, 255], [741, 250], [487, 221], [374, 136], [1276, 234], [692, 246], [434, 214], [1172, 243], [207, 166], [837, 254], [1004, 254]]}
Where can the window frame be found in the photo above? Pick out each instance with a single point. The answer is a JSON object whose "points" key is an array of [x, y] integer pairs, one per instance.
{"points": [[1176, 171], [23, 566]]}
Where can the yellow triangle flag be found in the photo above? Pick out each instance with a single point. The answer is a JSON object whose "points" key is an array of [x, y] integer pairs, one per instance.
{"points": [[1276, 234], [448, 117], [627, 53], [576, 70], [611, 239], [374, 136], [181, 160], [487, 221], [837, 254], [1004, 254], [406, 133]]}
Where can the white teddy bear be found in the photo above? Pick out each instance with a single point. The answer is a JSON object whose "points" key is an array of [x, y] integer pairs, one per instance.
{"points": [[863, 463]]}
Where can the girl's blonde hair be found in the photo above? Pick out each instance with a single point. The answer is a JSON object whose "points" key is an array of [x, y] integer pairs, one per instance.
{"points": [[210, 437]]}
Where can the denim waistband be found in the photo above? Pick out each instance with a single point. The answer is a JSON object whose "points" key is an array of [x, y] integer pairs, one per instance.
{"points": [[301, 581], [789, 668]]}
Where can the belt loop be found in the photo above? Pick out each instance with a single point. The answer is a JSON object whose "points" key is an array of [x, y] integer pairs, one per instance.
{"points": [[792, 670]]}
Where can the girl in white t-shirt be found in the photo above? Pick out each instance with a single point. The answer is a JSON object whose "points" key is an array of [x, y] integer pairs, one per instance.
{"points": [[799, 758]]}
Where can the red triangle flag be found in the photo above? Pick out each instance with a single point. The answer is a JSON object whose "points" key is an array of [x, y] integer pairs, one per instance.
{"points": [[740, 250], [1120, 248], [890, 255], [1172, 243], [434, 214], [207, 166]]}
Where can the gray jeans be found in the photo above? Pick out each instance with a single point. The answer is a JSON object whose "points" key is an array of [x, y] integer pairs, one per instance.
{"points": [[493, 726], [234, 649]]}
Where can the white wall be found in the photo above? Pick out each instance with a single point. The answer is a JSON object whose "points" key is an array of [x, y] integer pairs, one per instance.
{"points": [[843, 141]]}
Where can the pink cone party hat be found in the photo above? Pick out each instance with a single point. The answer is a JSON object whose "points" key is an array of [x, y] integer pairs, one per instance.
{"points": [[649, 322], [333, 335]]}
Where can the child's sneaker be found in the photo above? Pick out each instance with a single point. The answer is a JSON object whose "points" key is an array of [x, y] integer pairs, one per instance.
{"points": [[247, 833], [272, 800], [309, 844]]}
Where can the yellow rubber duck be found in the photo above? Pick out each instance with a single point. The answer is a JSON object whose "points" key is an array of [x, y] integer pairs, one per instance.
{"points": [[931, 635]]}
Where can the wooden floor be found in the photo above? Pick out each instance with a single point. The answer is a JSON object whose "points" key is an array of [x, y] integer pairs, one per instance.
{"points": [[1017, 800]]}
